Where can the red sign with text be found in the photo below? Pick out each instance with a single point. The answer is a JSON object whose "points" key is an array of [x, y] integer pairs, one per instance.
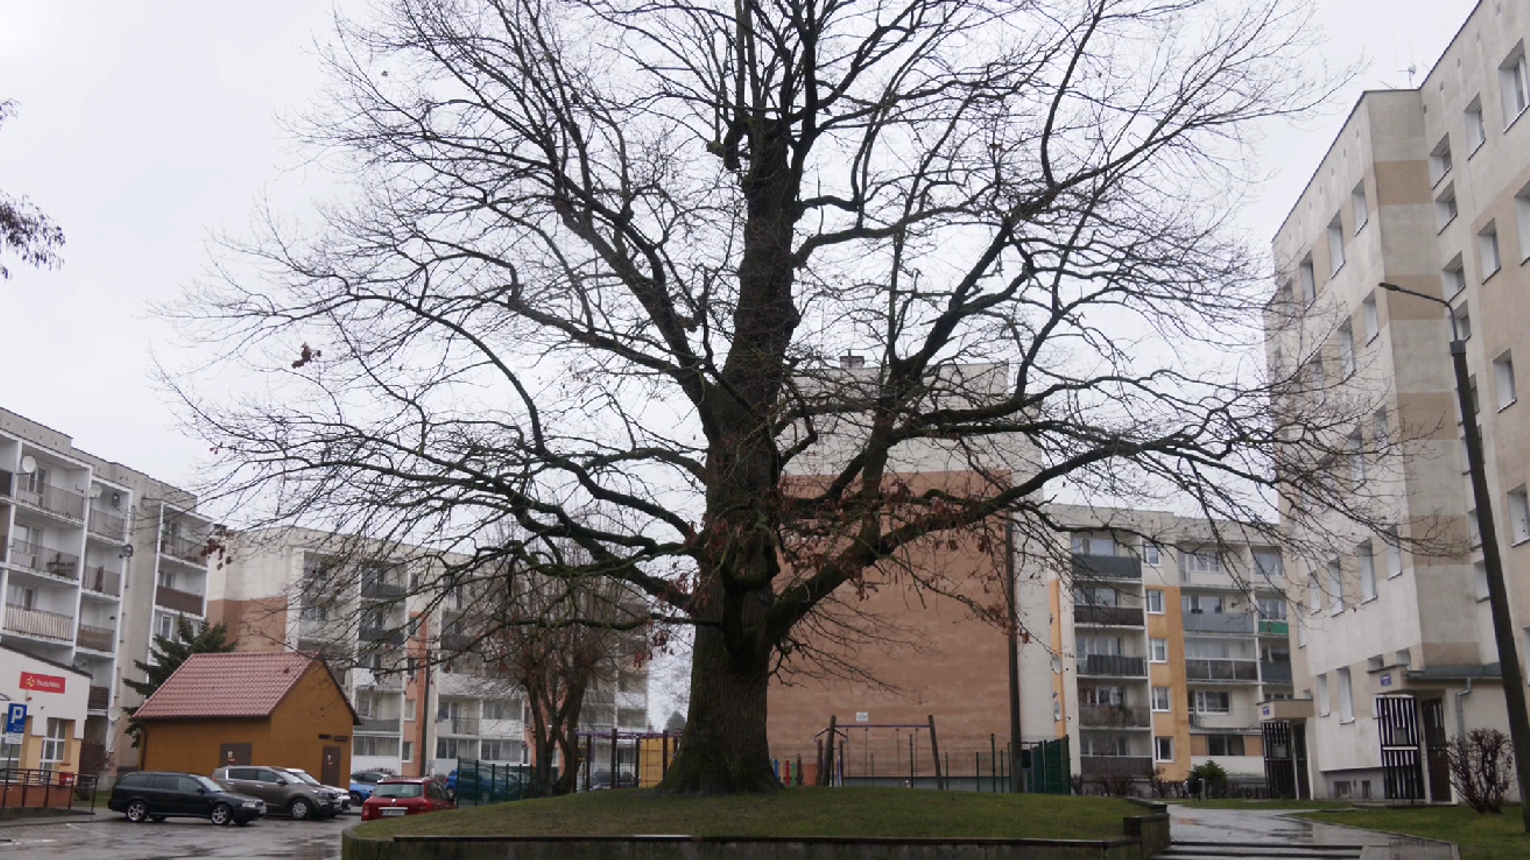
{"points": [[42, 683]]}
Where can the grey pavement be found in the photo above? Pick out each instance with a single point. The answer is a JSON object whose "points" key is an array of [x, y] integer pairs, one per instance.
{"points": [[1214, 834], [109, 836]]}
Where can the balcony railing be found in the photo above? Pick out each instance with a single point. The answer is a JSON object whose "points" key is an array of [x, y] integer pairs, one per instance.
{"points": [[373, 590], [189, 551], [1274, 628], [102, 581], [180, 601], [1113, 765], [44, 559], [382, 635], [458, 726], [456, 641], [1114, 716], [1107, 567], [54, 500], [1222, 722], [1219, 622], [36, 622], [378, 726], [321, 628], [98, 699], [1219, 669], [1113, 616], [1275, 673], [107, 524], [1112, 666], [95, 638]]}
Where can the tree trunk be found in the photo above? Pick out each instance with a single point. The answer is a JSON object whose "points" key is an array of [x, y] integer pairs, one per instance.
{"points": [[725, 750]]}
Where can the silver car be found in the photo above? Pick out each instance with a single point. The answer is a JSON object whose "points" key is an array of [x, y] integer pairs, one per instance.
{"points": [[282, 791]]}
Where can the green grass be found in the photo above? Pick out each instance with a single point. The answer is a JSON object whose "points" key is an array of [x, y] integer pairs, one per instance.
{"points": [[1480, 837], [796, 812]]}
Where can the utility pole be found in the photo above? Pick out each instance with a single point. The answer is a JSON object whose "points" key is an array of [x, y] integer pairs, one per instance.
{"points": [[1498, 593], [1015, 784]]}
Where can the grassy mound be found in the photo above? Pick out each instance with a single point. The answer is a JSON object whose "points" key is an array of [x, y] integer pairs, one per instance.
{"points": [[851, 812], [1480, 837]]}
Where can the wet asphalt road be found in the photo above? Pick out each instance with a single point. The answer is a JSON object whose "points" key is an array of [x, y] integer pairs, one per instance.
{"points": [[108, 836]]}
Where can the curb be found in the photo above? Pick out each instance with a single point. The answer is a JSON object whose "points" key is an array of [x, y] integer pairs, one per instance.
{"points": [[60, 818]]}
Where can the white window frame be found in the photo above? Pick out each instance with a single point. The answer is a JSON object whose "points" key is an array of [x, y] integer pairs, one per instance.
{"points": [[1307, 276], [1371, 316], [1479, 573], [1335, 588], [1347, 349], [1152, 554], [1503, 381], [1167, 704], [1346, 697], [1200, 702], [409, 710], [55, 744], [1356, 444], [406, 751], [1366, 557], [1440, 162], [1159, 743], [1514, 85], [1446, 208], [1322, 695], [1158, 650], [1476, 128], [1453, 277], [1357, 206], [1522, 220], [1335, 245], [1519, 515], [1463, 314], [1154, 596], [1381, 428], [1314, 594], [1488, 256]]}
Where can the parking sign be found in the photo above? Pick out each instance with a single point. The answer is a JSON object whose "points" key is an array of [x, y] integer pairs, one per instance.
{"points": [[15, 722]]}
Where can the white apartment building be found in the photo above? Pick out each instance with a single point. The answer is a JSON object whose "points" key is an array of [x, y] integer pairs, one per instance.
{"points": [[1427, 189]]}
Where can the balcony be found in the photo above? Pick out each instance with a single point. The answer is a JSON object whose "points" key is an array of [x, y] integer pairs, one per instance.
{"points": [[382, 636], [1114, 717], [1274, 628], [1113, 765], [1218, 622], [458, 726], [105, 524], [1221, 670], [373, 590], [54, 500], [1230, 723], [1275, 673], [1112, 666], [181, 549], [1106, 567], [509, 729], [98, 699], [1096, 615], [36, 622], [102, 581], [96, 638], [321, 628], [43, 559], [181, 601], [457, 642], [378, 726]]}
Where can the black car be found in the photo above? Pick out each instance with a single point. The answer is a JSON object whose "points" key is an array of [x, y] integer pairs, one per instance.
{"points": [[157, 796]]}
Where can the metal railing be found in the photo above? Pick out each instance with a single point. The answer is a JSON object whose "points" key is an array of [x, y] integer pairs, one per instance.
{"points": [[1281, 629], [458, 726], [95, 638], [44, 559], [374, 590], [1228, 722], [1275, 673], [54, 500], [1219, 622], [99, 698], [36, 622], [384, 635], [1107, 567], [1113, 666], [1113, 765], [107, 524], [1114, 716], [189, 551], [1221, 669], [378, 725], [181, 601], [1095, 614], [102, 581], [46, 789]]}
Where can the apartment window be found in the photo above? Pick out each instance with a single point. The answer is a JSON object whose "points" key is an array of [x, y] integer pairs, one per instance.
{"points": [[1202, 561], [1471, 390], [1301, 632], [21, 597], [409, 709], [1158, 650], [498, 709], [1224, 745], [164, 626], [1503, 377], [1371, 317], [1202, 604], [1308, 277], [1487, 250], [1367, 560], [1152, 556], [1155, 601], [407, 753], [55, 743], [1519, 515], [1514, 87], [1267, 562], [1211, 702], [1479, 571], [1163, 749], [1336, 244], [1346, 349], [1314, 594], [1356, 445], [1522, 215], [1093, 545], [1346, 697], [1473, 528], [1380, 428], [1272, 608], [1161, 698], [1463, 314], [1476, 131], [1322, 695], [1439, 161], [1357, 206], [363, 745], [1445, 207], [1335, 588]]}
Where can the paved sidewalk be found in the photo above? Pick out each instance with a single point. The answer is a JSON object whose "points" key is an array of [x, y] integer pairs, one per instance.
{"points": [[1210, 834]]}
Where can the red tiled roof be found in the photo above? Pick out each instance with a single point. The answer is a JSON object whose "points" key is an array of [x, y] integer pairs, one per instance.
{"points": [[227, 685]]}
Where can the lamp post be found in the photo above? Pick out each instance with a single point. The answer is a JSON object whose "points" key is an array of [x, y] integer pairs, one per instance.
{"points": [[1498, 595]]}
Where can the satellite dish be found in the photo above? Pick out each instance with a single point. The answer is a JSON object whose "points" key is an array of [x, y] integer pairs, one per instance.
{"points": [[28, 464], [95, 491], [116, 500]]}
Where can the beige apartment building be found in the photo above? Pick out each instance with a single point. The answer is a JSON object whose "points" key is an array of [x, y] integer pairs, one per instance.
{"points": [[1427, 189]]}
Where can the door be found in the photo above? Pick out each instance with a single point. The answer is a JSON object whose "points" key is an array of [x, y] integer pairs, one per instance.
{"points": [[329, 774], [1436, 745], [161, 794], [191, 797], [1397, 721], [230, 755]]}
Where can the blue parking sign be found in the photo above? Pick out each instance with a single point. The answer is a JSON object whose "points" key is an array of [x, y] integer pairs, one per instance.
{"points": [[15, 718]]}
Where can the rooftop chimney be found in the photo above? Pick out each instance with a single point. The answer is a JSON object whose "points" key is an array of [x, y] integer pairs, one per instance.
{"points": [[851, 361]]}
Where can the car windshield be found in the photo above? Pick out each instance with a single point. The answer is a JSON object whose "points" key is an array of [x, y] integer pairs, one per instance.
{"points": [[207, 783], [303, 775], [399, 789]]}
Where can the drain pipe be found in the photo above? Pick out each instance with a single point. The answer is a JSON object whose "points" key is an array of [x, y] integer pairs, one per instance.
{"points": [[1461, 711]]}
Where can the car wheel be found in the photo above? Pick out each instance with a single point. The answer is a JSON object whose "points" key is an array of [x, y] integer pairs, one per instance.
{"points": [[137, 811], [299, 810], [451, 793], [357, 799], [221, 814], [159, 819]]}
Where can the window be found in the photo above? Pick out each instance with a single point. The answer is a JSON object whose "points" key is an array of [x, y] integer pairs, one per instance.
{"points": [[1346, 349], [1163, 749], [1224, 745], [409, 705], [1471, 386], [1301, 632], [55, 744], [164, 626], [1201, 561], [314, 612], [1346, 697], [1211, 702], [1513, 85], [376, 746], [1093, 545], [1463, 314], [1380, 429], [1161, 698], [1487, 250], [1503, 377], [1106, 696], [1203, 604], [1155, 601], [1158, 650], [1336, 244], [1272, 608], [1367, 571], [1372, 319], [1519, 515], [407, 752], [1335, 588], [1356, 456], [1479, 569], [1151, 555], [1439, 161], [499, 751], [1445, 208], [1307, 276], [1095, 744], [455, 748], [497, 709], [1112, 646], [1357, 206], [1322, 695], [1473, 528], [1267, 562], [1476, 131], [1454, 276], [1314, 594], [20, 597]]}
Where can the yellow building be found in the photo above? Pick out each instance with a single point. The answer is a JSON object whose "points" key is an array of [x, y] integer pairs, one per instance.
{"points": [[55, 696]]}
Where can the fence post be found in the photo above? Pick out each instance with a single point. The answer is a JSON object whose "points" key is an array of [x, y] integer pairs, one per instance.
{"points": [[827, 776], [664, 758], [940, 779]]}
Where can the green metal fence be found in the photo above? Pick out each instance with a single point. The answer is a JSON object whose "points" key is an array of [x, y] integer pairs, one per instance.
{"points": [[1046, 766], [482, 783]]}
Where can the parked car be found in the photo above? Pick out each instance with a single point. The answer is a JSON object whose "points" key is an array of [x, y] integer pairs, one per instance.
{"points": [[342, 797], [601, 780], [362, 783], [155, 796], [283, 792], [397, 796]]}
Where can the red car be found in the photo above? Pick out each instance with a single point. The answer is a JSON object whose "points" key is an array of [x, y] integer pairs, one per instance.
{"points": [[405, 796]]}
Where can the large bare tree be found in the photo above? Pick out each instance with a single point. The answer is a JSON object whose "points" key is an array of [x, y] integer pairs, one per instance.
{"points": [[608, 254], [24, 229]]}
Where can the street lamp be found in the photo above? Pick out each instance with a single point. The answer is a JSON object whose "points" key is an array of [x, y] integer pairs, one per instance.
{"points": [[1498, 595]]}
